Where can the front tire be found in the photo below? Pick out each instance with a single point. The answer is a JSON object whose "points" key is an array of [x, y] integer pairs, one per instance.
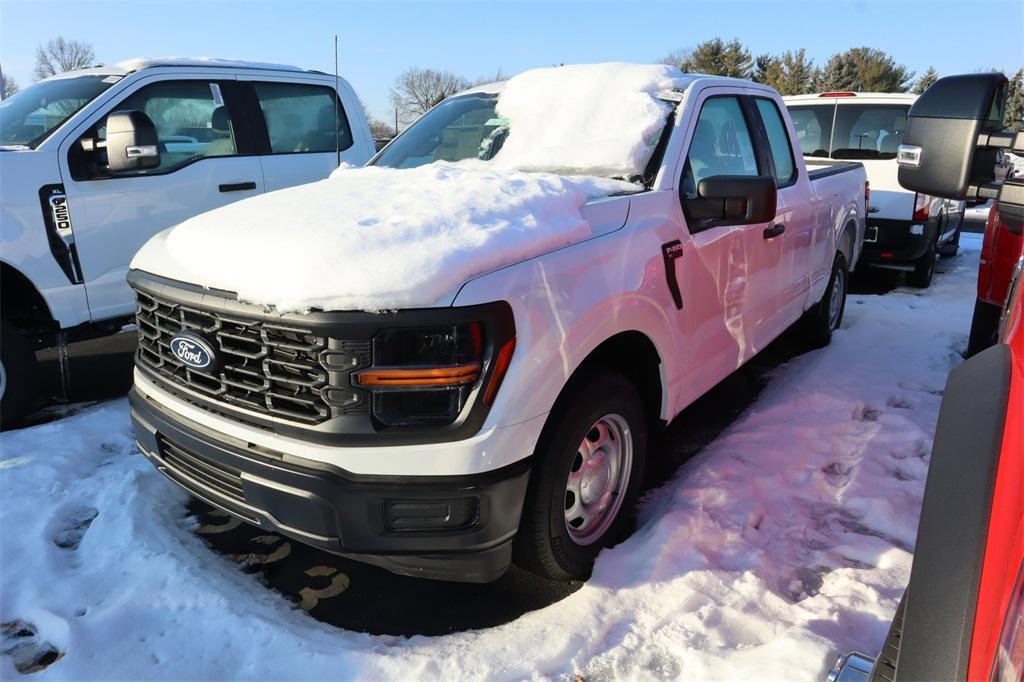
{"points": [[587, 477], [18, 370], [819, 322]]}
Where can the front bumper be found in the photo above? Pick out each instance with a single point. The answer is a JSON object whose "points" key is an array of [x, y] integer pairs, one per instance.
{"points": [[443, 527]]}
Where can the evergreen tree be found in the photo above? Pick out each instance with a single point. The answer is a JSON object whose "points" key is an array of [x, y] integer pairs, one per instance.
{"points": [[714, 57], [925, 81], [864, 69], [1013, 117]]}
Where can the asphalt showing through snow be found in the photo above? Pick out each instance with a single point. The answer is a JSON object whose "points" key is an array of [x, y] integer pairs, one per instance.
{"points": [[364, 598]]}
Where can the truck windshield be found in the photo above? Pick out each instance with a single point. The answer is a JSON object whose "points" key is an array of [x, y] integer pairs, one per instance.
{"points": [[464, 127], [29, 116], [850, 131]]}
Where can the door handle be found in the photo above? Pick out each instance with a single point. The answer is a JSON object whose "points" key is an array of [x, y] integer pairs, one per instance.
{"points": [[774, 231], [237, 186]]}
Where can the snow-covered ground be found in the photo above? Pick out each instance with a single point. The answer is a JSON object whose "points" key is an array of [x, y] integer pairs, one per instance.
{"points": [[785, 540]]}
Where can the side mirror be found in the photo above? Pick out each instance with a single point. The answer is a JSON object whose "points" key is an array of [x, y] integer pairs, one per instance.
{"points": [[131, 142], [734, 199], [954, 135]]}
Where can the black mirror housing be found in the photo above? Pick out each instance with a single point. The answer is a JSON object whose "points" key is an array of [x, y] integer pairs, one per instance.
{"points": [[132, 142], [734, 199], [939, 155]]}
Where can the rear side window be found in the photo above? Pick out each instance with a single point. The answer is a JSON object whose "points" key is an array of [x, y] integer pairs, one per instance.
{"points": [[868, 131], [850, 130], [303, 118], [191, 120], [778, 140], [721, 144], [813, 125]]}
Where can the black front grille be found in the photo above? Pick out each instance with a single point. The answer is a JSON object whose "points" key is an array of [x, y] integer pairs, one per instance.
{"points": [[274, 369]]}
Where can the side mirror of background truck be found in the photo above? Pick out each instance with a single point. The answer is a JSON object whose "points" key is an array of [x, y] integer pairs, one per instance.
{"points": [[954, 136], [132, 142]]}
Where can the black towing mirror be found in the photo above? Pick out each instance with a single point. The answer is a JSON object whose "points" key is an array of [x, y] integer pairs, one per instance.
{"points": [[734, 199], [132, 142], [953, 140]]}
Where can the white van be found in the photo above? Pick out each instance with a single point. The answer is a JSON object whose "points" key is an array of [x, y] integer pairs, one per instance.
{"points": [[905, 230], [190, 135]]}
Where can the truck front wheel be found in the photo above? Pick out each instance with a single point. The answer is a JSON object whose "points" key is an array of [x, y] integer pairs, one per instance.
{"points": [[17, 375], [587, 475]]}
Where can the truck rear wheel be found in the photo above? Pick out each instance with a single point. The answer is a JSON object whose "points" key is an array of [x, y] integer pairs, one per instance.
{"points": [[924, 268], [819, 322], [17, 375], [587, 476]]}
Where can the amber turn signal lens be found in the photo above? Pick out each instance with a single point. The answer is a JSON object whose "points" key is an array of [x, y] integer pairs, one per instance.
{"points": [[500, 367], [415, 377]]}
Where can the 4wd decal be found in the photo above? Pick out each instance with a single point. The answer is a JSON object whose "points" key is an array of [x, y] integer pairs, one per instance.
{"points": [[59, 232]]}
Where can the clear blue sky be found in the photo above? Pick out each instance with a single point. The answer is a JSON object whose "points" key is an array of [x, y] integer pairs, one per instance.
{"points": [[379, 40]]}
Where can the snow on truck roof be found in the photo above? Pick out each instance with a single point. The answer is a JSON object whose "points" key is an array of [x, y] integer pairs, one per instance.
{"points": [[127, 66]]}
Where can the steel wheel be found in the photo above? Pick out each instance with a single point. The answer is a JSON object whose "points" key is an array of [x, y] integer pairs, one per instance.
{"points": [[835, 301], [598, 478]]}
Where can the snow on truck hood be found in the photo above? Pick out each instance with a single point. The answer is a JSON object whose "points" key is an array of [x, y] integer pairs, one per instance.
{"points": [[376, 238], [380, 238]]}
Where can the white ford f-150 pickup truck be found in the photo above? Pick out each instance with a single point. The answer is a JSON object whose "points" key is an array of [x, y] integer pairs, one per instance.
{"points": [[94, 162], [455, 357]]}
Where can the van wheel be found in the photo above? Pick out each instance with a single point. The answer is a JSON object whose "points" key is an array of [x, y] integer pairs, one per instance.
{"points": [[819, 322], [588, 474], [924, 268], [18, 369], [952, 247]]}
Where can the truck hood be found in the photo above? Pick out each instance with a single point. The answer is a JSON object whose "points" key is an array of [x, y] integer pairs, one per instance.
{"points": [[383, 238]]}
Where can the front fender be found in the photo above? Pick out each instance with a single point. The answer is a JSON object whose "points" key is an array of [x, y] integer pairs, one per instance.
{"points": [[569, 302]]}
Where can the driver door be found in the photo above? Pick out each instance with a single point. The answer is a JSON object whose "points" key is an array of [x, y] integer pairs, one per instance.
{"points": [[205, 162]]}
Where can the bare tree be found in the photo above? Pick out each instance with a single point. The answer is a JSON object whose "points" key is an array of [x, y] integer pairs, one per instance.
{"points": [[7, 85], [60, 55], [417, 90]]}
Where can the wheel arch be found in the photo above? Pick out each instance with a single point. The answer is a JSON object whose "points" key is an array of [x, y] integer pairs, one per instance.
{"points": [[21, 302], [634, 355]]}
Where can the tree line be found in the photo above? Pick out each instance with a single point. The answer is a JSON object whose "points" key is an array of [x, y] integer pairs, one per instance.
{"points": [[416, 90]]}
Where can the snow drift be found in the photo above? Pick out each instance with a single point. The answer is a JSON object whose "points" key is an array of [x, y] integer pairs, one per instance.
{"points": [[376, 238]]}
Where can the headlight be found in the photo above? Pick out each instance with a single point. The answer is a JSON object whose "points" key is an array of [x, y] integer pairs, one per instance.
{"points": [[424, 376]]}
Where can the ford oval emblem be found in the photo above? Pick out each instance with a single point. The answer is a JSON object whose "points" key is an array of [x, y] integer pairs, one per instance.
{"points": [[194, 352]]}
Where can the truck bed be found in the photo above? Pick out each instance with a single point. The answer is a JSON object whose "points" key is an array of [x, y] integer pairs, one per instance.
{"points": [[822, 169]]}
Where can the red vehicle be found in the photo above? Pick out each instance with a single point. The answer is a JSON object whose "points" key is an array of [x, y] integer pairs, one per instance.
{"points": [[962, 615], [1000, 251]]}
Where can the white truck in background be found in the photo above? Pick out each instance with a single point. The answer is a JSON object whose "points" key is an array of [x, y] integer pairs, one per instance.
{"points": [[499, 408], [189, 134], [905, 230]]}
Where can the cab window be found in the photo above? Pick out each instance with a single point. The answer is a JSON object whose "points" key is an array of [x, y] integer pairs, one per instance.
{"points": [[302, 118], [191, 119], [721, 144], [778, 142]]}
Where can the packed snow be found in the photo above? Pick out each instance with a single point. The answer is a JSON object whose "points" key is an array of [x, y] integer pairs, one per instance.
{"points": [[376, 238], [787, 539], [586, 119]]}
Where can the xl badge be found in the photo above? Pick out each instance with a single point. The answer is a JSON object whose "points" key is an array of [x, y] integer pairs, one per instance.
{"points": [[194, 351]]}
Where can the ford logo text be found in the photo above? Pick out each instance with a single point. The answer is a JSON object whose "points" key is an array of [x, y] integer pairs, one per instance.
{"points": [[193, 351]]}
